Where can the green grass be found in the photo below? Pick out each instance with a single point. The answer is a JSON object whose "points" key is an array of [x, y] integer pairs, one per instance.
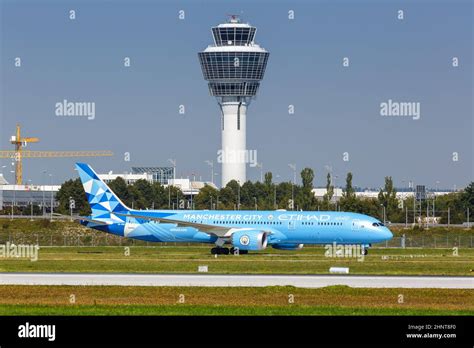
{"points": [[333, 300], [186, 259], [159, 258], [175, 310]]}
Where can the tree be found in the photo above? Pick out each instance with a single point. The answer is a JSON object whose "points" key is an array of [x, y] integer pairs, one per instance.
{"points": [[467, 196], [349, 200], [268, 179], [307, 177], [119, 187], [206, 198], [348, 190], [176, 197], [329, 193], [160, 196], [305, 195], [388, 198], [72, 189], [144, 197], [283, 191]]}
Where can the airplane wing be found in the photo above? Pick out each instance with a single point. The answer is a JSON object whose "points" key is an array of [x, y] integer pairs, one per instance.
{"points": [[219, 231]]}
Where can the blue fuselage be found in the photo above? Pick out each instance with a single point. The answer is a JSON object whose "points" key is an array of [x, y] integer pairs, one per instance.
{"points": [[282, 227]]}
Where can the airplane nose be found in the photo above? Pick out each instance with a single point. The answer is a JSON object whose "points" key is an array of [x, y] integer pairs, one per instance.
{"points": [[387, 234]]}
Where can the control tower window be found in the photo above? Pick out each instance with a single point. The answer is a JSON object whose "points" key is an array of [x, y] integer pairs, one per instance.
{"points": [[228, 36]]}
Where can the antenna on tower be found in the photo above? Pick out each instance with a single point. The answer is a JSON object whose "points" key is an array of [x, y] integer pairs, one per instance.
{"points": [[234, 18]]}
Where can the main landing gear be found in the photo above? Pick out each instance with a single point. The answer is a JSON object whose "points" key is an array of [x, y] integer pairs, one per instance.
{"points": [[220, 251], [227, 251]]}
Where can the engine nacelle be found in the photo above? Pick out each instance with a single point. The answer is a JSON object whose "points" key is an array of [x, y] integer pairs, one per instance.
{"points": [[249, 240], [288, 246]]}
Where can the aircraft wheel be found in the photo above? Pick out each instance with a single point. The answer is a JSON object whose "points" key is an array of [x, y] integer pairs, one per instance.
{"points": [[233, 251], [220, 251]]}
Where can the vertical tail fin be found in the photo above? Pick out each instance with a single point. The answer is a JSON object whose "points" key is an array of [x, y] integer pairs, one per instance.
{"points": [[101, 199]]}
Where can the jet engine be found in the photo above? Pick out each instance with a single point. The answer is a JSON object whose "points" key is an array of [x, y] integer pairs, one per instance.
{"points": [[249, 240]]}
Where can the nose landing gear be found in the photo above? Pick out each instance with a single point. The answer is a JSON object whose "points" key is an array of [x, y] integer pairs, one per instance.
{"points": [[365, 249]]}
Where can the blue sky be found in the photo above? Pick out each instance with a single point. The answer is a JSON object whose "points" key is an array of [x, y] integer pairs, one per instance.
{"points": [[337, 109]]}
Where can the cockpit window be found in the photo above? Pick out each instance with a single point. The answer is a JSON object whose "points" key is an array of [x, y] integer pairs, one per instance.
{"points": [[375, 224], [378, 224]]}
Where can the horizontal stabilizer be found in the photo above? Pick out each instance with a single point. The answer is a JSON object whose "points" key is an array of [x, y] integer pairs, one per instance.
{"points": [[83, 218]]}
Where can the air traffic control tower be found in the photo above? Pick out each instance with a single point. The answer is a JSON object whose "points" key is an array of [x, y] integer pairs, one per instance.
{"points": [[234, 67]]}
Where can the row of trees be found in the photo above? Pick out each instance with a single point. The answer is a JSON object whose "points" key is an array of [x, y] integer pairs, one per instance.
{"points": [[268, 195]]}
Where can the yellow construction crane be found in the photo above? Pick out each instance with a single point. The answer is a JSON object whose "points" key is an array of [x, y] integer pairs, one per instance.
{"points": [[19, 153]]}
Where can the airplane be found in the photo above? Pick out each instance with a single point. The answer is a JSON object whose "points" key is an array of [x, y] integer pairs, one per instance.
{"points": [[243, 230]]}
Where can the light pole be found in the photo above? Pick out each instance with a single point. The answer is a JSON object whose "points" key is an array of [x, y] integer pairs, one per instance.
{"points": [[43, 187], [414, 200], [72, 205], [293, 167], [383, 213], [255, 200], [434, 200], [31, 201], [169, 195], [14, 192], [51, 188], [238, 195], [329, 170], [468, 222], [173, 163], [211, 164], [192, 190], [404, 194], [1, 199], [260, 165], [275, 193]]}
